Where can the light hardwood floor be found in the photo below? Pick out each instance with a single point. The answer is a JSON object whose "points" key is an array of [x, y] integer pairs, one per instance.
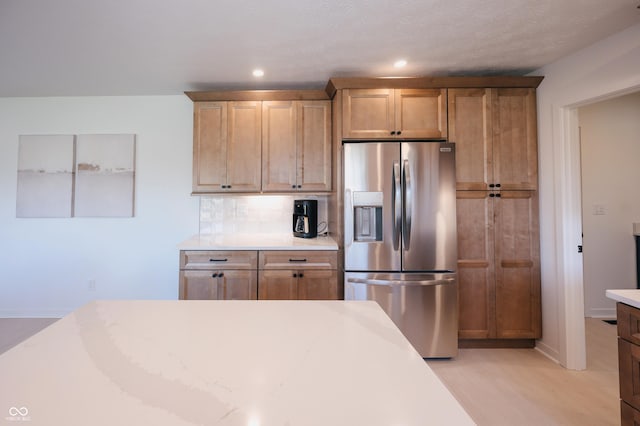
{"points": [[497, 386], [523, 387]]}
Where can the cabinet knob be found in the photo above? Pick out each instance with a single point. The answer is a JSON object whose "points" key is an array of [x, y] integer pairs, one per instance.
{"points": [[215, 275], [301, 275], [295, 275], [492, 195], [293, 186], [221, 274], [299, 186], [498, 195], [393, 132], [491, 185], [399, 132], [497, 185]]}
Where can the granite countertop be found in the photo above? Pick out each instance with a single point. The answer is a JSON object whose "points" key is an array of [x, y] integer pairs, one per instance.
{"points": [[629, 296], [257, 242], [244, 363]]}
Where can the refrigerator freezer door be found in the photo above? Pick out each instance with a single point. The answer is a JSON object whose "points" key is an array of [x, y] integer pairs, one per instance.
{"points": [[429, 207], [423, 306], [371, 185]]}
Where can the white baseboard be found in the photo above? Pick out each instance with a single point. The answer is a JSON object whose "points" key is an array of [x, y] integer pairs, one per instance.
{"points": [[600, 313], [547, 351]]}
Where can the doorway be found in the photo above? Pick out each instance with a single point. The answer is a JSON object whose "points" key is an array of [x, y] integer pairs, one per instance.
{"points": [[609, 152]]}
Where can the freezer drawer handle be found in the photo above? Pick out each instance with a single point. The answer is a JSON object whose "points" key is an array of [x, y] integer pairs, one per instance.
{"points": [[297, 260], [218, 260], [401, 282]]}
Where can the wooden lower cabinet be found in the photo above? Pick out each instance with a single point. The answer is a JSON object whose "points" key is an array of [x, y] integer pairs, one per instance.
{"points": [[279, 275], [301, 275], [219, 285], [629, 363], [498, 267], [298, 285]]}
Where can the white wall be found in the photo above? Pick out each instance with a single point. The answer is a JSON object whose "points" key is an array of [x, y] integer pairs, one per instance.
{"points": [[606, 69], [610, 152], [46, 264]]}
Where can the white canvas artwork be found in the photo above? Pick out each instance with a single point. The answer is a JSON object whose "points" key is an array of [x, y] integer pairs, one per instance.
{"points": [[76, 175], [105, 175], [45, 176]]}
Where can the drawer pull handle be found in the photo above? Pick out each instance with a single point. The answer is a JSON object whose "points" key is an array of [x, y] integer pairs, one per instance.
{"points": [[217, 260], [297, 260]]}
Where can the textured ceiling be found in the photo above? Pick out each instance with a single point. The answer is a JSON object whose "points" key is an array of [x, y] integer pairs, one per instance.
{"points": [[150, 47]]}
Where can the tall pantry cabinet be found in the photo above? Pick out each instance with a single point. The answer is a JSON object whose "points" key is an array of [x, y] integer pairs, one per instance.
{"points": [[497, 211]]}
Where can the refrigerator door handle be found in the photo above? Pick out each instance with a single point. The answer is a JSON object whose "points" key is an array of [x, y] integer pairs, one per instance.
{"points": [[396, 205], [406, 204], [370, 281]]}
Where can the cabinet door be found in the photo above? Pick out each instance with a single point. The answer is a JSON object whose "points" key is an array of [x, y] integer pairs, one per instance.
{"points": [[209, 146], [244, 146], [318, 285], [218, 285], [420, 113], [278, 146], [367, 113], [237, 285], [470, 129], [515, 146], [517, 265], [278, 285], [476, 276], [313, 145], [629, 372]]}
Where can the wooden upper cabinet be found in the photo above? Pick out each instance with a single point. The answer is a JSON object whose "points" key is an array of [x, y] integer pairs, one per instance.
{"points": [[470, 129], [515, 145], [278, 146], [226, 149], [209, 146], [244, 143], [394, 114], [296, 146], [313, 136], [496, 139]]}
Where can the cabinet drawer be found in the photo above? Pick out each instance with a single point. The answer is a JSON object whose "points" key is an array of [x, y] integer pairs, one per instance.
{"points": [[629, 372], [203, 259], [298, 259], [628, 323]]}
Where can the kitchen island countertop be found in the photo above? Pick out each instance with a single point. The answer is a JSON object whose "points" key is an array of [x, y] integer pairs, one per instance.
{"points": [[627, 296], [257, 242], [244, 363]]}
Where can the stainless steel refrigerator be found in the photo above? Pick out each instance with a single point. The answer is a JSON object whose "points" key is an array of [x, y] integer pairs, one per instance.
{"points": [[400, 237]]}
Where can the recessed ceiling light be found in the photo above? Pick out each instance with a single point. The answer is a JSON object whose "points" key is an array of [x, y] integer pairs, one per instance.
{"points": [[400, 63], [258, 73]]}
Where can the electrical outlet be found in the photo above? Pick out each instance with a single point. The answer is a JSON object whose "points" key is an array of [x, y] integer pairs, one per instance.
{"points": [[91, 285]]}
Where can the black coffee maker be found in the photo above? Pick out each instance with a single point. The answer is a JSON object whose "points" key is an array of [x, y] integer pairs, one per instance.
{"points": [[305, 218]]}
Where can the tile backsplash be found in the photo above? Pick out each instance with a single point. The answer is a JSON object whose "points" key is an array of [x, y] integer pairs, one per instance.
{"points": [[262, 214]]}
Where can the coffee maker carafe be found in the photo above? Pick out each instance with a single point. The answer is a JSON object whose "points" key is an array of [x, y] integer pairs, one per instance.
{"points": [[305, 218]]}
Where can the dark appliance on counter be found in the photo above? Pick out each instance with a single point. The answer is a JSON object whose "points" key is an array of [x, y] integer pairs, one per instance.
{"points": [[305, 218]]}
